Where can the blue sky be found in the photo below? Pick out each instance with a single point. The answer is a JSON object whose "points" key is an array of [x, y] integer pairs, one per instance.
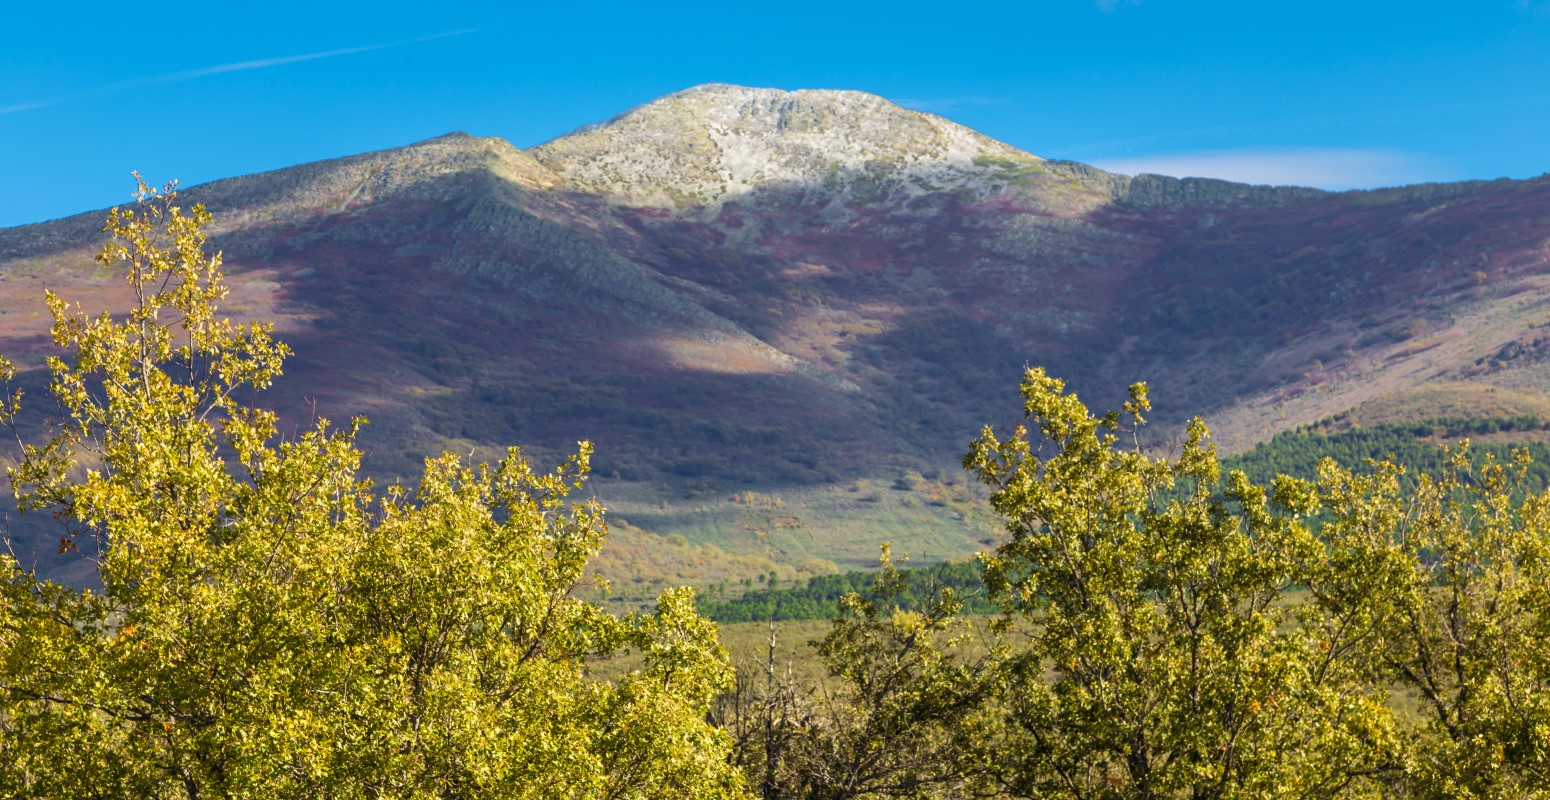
{"points": [[1334, 94]]}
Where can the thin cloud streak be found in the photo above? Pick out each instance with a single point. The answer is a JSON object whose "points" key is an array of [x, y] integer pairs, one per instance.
{"points": [[220, 69], [1323, 168], [28, 106]]}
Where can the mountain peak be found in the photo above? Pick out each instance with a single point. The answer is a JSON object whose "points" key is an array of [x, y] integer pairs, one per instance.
{"points": [[705, 144]]}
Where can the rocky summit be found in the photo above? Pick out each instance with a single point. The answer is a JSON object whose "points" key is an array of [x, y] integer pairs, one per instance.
{"points": [[782, 315], [712, 144]]}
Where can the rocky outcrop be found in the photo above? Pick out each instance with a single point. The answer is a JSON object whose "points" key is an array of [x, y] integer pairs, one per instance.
{"points": [[704, 145]]}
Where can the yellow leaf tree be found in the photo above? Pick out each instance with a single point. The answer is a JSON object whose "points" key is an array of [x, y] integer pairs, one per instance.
{"points": [[267, 625]]}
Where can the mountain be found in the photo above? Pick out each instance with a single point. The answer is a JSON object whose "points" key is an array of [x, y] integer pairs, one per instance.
{"points": [[782, 315]]}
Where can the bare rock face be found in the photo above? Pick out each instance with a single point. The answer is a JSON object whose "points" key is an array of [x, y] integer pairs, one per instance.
{"points": [[705, 145]]}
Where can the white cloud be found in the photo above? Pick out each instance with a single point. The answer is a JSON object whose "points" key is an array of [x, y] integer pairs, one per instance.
{"points": [[1324, 168]]}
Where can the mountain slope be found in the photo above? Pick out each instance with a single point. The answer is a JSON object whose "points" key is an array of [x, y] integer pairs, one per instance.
{"points": [[782, 315]]}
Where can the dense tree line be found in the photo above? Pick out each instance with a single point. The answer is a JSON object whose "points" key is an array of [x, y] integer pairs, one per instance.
{"points": [[822, 596], [1412, 445], [1292, 453]]}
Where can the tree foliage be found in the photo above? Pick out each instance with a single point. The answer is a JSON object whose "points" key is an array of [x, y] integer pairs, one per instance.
{"points": [[1168, 633], [1166, 662], [905, 708], [1453, 579], [267, 626]]}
